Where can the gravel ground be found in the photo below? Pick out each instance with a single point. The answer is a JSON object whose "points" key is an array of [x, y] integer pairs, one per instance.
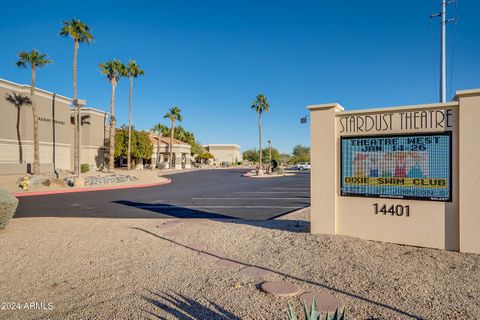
{"points": [[132, 269]]}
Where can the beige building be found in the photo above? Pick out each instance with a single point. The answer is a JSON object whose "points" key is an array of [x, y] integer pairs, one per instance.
{"points": [[225, 153], [181, 152], [55, 131]]}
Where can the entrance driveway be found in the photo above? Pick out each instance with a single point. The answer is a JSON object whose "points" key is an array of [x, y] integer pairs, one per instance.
{"points": [[197, 194]]}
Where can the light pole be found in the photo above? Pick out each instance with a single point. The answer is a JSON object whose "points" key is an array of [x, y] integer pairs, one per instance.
{"points": [[270, 155], [79, 103]]}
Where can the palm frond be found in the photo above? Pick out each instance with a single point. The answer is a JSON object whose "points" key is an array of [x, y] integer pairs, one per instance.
{"points": [[77, 30]]}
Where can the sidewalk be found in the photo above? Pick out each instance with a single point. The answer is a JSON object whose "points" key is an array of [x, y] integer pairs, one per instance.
{"points": [[144, 178]]}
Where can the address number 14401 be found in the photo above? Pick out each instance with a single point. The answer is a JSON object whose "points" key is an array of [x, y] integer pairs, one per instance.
{"points": [[393, 210]]}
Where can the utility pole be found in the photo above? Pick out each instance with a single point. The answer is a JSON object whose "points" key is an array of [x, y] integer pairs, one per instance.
{"points": [[443, 48]]}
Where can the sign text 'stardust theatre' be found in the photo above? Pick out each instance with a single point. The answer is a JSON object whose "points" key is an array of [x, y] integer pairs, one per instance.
{"points": [[406, 174]]}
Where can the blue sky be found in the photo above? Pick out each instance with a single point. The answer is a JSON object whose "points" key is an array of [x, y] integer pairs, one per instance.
{"points": [[211, 58]]}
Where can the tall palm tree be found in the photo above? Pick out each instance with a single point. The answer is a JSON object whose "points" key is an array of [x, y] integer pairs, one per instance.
{"points": [[35, 60], [133, 71], [159, 129], [173, 114], [114, 70], [80, 33], [18, 101], [260, 105]]}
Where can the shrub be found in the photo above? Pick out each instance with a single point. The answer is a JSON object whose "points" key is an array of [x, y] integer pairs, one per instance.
{"points": [[279, 170], [314, 314], [84, 167], [8, 205]]}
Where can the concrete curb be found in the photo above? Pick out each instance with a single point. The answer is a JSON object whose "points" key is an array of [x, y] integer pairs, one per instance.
{"points": [[89, 189]]}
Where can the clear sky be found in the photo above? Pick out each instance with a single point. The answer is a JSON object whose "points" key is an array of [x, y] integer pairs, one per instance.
{"points": [[211, 58]]}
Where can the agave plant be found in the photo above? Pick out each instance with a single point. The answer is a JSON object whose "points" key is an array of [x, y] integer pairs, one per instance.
{"points": [[314, 314]]}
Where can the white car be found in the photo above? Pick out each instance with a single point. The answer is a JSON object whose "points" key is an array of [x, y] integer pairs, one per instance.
{"points": [[303, 166]]}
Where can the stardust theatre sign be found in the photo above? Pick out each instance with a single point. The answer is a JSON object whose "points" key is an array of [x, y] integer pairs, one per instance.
{"points": [[396, 174]]}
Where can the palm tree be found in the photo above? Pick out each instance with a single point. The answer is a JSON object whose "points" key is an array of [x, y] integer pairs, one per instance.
{"points": [[133, 71], [160, 130], [18, 101], [173, 114], [260, 105], [80, 33], [113, 69], [36, 60]]}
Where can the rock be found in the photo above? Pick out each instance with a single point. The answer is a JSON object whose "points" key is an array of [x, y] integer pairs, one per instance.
{"points": [[61, 174], [46, 183], [79, 182]]}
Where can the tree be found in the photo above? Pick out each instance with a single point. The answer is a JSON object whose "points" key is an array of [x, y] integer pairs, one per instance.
{"points": [[133, 71], [114, 70], [205, 156], [36, 60], [173, 115], [251, 155], [300, 154], [260, 105], [80, 33], [18, 101], [160, 130], [140, 144]]}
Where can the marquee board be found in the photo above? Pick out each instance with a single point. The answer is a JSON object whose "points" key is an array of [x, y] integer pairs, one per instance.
{"points": [[413, 166]]}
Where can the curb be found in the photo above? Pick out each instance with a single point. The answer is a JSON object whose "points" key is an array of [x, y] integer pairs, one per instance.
{"points": [[89, 189]]}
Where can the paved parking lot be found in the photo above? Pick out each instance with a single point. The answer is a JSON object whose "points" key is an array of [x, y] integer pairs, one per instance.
{"points": [[197, 194]]}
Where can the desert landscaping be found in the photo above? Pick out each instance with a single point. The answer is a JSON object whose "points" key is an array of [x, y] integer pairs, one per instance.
{"points": [[177, 269]]}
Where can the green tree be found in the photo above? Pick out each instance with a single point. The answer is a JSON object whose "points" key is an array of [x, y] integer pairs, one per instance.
{"points": [[133, 71], [260, 105], [251, 155], [140, 144], [18, 101], [300, 154], [173, 115], [35, 60], [205, 156], [80, 33], [114, 70]]}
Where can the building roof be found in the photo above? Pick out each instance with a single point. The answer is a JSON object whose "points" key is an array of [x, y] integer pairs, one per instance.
{"points": [[25, 88], [164, 140], [225, 145]]}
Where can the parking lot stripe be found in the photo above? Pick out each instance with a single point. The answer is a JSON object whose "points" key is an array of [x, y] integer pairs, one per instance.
{"points": [[272, 192], [249, 198], [219, 207]]}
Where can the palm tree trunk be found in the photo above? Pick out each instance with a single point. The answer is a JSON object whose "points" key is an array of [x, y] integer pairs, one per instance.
{"points": [[129, 125], [19, 138], [111, 153], [36, 147], [260, 168], [76, 155], [171, 143]]}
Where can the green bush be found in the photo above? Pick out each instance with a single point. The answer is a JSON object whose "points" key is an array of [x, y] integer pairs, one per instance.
{"points": [[279, 170], [84, 167], [314, 314], [8, 205]]}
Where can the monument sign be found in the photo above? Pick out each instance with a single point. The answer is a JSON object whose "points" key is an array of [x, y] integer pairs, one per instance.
{"points": [[399, 174]]}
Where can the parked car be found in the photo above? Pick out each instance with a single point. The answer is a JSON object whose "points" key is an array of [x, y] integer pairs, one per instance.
{"points": [[303, 166]]}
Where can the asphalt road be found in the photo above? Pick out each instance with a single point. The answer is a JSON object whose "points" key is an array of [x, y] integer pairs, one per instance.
{"points": [[196, 194]]}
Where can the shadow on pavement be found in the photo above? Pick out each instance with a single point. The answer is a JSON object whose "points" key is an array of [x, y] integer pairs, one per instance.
{"points": [[173, 211], [323, 285], [184, 308]]}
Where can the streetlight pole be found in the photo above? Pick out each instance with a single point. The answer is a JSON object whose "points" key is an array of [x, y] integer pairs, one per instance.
{"points": [[270, 155], [79, 103]]}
